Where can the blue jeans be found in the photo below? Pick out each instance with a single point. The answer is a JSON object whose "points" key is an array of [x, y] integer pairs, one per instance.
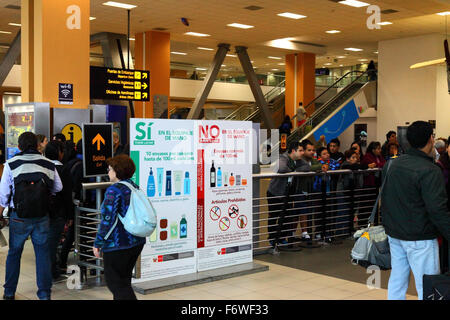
{"points": [[19, 230], [422, 257]]}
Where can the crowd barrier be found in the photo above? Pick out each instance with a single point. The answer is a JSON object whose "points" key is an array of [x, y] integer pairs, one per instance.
{"points": [[341, 202]]}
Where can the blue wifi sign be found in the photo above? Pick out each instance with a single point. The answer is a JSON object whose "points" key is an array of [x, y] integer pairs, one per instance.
{"points": [[65, 93]]}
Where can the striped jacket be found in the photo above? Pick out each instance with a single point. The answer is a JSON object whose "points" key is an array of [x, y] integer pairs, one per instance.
{"points": [[27, 166]]}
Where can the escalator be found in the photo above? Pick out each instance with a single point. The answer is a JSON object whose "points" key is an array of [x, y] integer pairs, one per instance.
{"points": [[250, 111], [339, 112]]}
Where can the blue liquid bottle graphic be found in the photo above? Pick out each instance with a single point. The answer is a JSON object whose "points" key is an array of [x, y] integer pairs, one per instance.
{"points": [[168, 183], [151, 184], [187, 183], [183, 227], [219, 177]]}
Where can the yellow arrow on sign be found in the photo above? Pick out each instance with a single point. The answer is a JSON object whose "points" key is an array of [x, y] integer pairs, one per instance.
{"points": [[144, 75], [144, 86], [144, 95], [99, 139]]}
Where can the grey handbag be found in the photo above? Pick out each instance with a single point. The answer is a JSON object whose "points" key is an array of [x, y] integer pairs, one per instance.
{"points": [[372, 244]]}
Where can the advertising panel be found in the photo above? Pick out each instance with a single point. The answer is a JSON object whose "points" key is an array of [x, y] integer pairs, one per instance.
{"points": [[163, 152], [224, 202]]}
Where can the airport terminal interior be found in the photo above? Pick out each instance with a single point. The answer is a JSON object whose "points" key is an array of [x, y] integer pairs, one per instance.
{"points": [[145, 69]]}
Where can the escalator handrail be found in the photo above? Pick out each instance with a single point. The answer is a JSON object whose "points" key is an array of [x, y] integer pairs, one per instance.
{"points": [[235, 112], [324, 106], [337, 81]]}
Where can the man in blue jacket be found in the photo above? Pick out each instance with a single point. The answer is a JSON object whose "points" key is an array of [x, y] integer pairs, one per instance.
{"points": [[414, 211]]}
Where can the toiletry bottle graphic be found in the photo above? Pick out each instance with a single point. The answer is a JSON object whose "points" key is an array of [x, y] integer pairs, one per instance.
{"points": [[159, 178], [231, 180], [173, 230], [151, 184], [168, 183], [212, 175], [187, 183], [154, 235], [219, 177], [225, 180], [183, 227]]}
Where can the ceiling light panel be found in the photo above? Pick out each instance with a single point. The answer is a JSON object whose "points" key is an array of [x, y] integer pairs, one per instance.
{"points": [[446, 13], [276, 58], [291, 15], [354, 3], [332, 31], [179, 53], [207, 49], [197, 34], [384, 23], [240, 25], [15, 24], [6, 32], [119, 5], [353, 49]]}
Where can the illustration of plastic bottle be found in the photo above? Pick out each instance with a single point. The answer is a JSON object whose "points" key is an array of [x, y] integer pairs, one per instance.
{"points": [[212, 175], [219, 177], [183, 227], [225, 180], [151, 184], [154, 235], [231, 180], [168, 183], [173, 230], [187, 183]]}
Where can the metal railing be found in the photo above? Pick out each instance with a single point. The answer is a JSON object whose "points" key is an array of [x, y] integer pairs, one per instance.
{"points": [[328, 209]]}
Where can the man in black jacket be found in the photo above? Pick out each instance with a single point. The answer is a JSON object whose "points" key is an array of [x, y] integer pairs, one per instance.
{"points": [[414, 211]]}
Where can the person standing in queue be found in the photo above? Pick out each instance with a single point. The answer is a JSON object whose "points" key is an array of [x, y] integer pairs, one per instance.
{"points": [[414, 211], [119, 247]]}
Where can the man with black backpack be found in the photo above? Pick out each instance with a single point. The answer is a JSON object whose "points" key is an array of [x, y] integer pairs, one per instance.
{"points": [[27, 182]]}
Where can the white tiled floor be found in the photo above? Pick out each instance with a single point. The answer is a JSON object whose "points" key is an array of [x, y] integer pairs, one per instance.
{"points": [[278, 283]]}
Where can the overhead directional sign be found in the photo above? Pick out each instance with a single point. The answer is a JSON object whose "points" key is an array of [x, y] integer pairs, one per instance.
{"points": [[97, 147], [119, 84]]}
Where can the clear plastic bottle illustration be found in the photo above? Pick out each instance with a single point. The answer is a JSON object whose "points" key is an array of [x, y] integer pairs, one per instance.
{"points": [[219, 177], [151, 184], [187, 184]]}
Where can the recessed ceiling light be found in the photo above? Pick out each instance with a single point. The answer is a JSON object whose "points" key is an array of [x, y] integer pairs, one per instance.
{"points": [[3, 46], [281, 64], [231, 55], [332, 31], [132, 39], [180, 53], [207, 49], [341, 65], [201, 69], [275, 69], [328, 64], [15, 24], [239, 25], [119, 5], [341, 57], [354, 3], [6, 32], [376, 52], [224, 65], [92, 18], [363, 60], [384, 23], [276, 58], [353, 49], [291, 15], [446, 13], [196, 34]]}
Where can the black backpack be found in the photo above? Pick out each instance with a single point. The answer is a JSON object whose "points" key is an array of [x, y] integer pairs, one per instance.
{"points": [[31, 199]]}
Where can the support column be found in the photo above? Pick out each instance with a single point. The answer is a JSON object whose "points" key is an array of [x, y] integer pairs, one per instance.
{"points": [[207, 84], [254, 86], [300, 82], [152, 52], [55, 49]]}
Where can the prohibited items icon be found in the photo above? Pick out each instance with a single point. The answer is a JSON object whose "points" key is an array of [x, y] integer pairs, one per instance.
{"points": [[242, 222], [233, 211], [215, 213], [224, 224]]}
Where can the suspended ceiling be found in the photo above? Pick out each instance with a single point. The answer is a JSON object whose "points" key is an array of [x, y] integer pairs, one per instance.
{"points": [[412, 18]]}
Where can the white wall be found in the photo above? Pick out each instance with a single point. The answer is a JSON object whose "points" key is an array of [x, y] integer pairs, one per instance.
{"points": [[14, 77], [186, 88], [348, 136], [442, 104], [406, 95]]}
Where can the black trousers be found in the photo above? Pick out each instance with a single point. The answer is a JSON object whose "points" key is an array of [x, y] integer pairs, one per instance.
{"points": [[276, 207], [118, 266]]}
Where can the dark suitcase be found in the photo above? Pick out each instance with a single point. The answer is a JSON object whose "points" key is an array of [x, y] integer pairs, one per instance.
{"points": [[436, 287]]}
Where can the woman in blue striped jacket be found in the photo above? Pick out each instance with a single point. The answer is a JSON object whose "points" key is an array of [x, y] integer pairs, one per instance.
{"points": [[119, 247]]}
